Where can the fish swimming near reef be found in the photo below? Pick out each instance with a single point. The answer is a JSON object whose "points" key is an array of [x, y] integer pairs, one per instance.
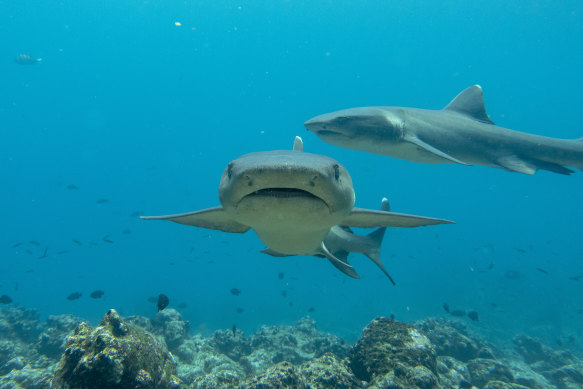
{"points": [[460, 133], [4, 299], [163, 302], [97, 294], [74, 296], [25, 59], [291, 199]]}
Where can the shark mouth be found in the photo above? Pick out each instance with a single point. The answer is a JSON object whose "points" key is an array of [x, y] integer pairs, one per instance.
{"points": [[281, 193]]}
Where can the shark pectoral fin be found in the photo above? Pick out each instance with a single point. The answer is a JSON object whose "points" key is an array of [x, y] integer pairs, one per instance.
{"points": [[212, 218], [274, 253], [368, 218], [427, 147], [344, 267]]}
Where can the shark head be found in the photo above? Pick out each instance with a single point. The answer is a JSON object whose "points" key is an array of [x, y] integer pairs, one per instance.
{"points": [[272, 189], [351, 127]]}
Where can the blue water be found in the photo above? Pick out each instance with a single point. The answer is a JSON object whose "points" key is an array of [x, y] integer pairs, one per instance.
{"points": [[132, 108]]}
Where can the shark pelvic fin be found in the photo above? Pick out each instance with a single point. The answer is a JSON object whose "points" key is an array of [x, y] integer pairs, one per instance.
{"points": [[212, 218], [298, 144], [516, 164], [427, 147], [470, 102], [344, 267]]}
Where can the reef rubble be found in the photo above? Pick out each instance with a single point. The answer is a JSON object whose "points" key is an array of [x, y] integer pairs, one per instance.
{"points": [[137, 352]]}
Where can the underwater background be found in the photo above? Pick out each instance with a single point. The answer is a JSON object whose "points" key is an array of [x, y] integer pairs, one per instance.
{"points": [[138, 106]]}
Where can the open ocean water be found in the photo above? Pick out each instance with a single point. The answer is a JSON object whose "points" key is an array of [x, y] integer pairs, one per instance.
{"points": [[138, 106]]}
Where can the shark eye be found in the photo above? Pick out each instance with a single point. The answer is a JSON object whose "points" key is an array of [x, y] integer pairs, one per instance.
{"points": [[229, 170], [336, 171]]}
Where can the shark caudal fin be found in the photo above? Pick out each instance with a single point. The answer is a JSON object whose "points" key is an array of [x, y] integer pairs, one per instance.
{"points": [[376, 239]]}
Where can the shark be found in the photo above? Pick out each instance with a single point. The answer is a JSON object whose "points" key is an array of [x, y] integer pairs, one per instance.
{"points": [[292, 200], [341, 241], [461, 133]]}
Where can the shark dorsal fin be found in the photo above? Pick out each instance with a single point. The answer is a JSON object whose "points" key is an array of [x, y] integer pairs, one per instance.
{"points": [[470, 102], [298, 144]]}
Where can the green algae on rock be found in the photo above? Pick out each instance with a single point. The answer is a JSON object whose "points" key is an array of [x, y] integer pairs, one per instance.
{"points": [[115, 355], [391, 347]]}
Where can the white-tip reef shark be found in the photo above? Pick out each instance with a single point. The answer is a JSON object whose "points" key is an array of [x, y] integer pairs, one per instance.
{"points": [[462, 132], [291, 199]]}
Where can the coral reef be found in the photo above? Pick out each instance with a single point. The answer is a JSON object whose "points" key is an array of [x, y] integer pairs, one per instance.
{"points": [[115, 355], [132, 352]]}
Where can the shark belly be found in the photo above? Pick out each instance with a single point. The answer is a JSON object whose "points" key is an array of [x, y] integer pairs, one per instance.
{"points": [[292, 226]]}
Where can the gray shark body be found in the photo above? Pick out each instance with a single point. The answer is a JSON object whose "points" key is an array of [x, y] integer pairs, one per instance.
{"points": [[291, 200], [341, 241], [460, 133]]}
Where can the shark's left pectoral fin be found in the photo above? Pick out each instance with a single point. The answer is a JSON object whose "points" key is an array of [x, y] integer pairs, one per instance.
{"points": [[427, 147], [274, 253], [368, 218], [344, 267], [212, 218]]}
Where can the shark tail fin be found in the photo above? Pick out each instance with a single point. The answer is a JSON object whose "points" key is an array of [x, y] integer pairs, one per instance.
{"points": [[374, 253], [376, 239]]}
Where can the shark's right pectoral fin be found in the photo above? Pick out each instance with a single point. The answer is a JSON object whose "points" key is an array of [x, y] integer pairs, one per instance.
{"points": [[427, 147], [212, 218], [344, 267]]}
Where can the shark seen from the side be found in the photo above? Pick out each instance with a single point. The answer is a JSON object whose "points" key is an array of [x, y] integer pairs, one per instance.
{"points": [[460, 133], [292, 200]]}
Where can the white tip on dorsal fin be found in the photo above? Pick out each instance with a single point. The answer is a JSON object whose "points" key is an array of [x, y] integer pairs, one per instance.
{"points": [[298, 144], [470, 102]]}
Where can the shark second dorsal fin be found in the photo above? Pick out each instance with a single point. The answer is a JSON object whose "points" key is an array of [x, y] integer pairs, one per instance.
{"points": [[298, 144], [470, 102]]}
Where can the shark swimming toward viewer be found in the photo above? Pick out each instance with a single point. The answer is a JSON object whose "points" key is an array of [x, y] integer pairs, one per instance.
{"points": [[460, 133], [292, 200]]}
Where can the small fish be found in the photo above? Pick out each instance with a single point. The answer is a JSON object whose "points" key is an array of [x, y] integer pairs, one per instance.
{"points": [[72, 187], [96, 294], [491, 266], [240, 310], [77, 242], [106, 239], [4, 299], [126, 231], [280, 276], [473, 315], [522, 251], [311, 309], [235, 291], [29, 270], [182, 305], [576, 278], [284, 293], [392, 316], [62, 252], [446, 307], [44, 253], [25, 59], [234, 329], [458, 313], [542, 270], [163, 302], [74, 296], [102, 201], [15, 245], [34, 242]]}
